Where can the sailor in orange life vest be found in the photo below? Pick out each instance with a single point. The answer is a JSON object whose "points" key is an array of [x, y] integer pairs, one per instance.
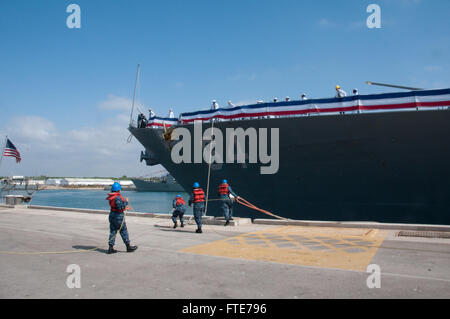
{"points": [[227, 204], [198, 198], [116, 219], [178, 210]]}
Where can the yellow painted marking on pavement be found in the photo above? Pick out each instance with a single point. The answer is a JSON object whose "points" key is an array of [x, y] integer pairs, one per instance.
{"points": [[342, 248], [374, 233]]}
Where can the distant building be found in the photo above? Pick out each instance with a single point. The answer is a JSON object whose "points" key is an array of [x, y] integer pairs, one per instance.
{"points": [[85, 182], [67, 182], [36, 182], [53, 182]]}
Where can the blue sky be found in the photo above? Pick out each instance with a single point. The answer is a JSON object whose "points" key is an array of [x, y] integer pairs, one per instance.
{"points": [[65, 93]]}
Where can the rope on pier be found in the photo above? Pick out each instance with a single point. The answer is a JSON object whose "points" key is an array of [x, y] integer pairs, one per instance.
{"points": [[246, 203]]}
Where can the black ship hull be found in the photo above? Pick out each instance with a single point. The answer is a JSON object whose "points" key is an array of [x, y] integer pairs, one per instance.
{"points": [[383, 167]]}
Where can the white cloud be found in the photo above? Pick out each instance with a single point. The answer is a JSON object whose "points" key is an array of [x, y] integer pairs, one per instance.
{"points": [[101, 150], [115, 103], [33, 128], [324, 22]]}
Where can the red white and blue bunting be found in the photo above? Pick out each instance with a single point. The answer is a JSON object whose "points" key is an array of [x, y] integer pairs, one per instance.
{"points": [[386, 102], [157, 122], [403, 101]]}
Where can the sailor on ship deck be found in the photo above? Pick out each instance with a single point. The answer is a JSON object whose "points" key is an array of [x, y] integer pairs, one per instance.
{"points": [[214, 106], [142, 121], [340, 93]]}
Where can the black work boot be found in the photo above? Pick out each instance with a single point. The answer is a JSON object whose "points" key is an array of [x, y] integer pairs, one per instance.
{"points": [[175, 225], [111, 250], [199, 231], [227, 223], [130, 249], [182, 225]]}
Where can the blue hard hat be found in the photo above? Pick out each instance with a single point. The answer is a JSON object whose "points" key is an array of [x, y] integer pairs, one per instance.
{"points": [[178, 196], [224, 181], [116, 187], [196, 185]]}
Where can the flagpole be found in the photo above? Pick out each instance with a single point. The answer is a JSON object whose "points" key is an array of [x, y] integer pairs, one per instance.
{"points": [[3, 150]]}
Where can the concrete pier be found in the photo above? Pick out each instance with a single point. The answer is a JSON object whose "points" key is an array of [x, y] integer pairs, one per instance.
{"points": [[250, 260]]}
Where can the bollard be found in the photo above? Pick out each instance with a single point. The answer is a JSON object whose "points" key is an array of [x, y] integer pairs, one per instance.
{"points": [[10, 199], [18, 200]]}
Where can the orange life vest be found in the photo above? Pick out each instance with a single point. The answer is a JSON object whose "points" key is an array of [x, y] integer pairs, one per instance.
{"points": [[180, 201], [112, 202], [199, 195], [223, 189]]}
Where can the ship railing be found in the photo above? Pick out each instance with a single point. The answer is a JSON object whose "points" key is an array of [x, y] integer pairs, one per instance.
{"points": [[161, 122], [357, 104]]}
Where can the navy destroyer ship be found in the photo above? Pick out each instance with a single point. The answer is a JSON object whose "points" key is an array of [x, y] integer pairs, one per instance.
{"points": [[165, 184], [380, 157]]}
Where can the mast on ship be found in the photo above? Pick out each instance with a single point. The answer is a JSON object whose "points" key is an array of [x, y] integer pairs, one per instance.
{"points": [[134, 95]]}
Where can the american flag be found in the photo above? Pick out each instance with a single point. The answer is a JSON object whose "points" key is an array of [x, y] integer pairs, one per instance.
{"points": [[11, 150]]}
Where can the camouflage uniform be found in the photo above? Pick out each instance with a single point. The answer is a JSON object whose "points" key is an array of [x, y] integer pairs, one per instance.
{"points": [[115, 222], [178, 212], [198, 199], [199, 210], [227, 204]]}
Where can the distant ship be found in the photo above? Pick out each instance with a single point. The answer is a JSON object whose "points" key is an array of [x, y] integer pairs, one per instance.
{"points": [[381, 157], [167, 184]]}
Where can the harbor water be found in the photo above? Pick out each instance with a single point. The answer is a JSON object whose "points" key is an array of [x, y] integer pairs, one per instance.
{"points": [[142, 202]]}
